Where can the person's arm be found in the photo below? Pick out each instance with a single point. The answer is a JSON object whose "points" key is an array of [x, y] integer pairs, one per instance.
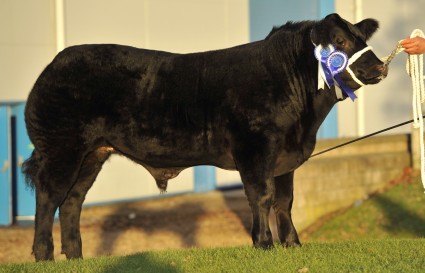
{"points": [[414, 45]]}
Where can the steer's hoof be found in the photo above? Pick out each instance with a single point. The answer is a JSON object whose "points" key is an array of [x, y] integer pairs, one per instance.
{"points": [[44, 253], [264, 245], [43, 257], [291, 244]]}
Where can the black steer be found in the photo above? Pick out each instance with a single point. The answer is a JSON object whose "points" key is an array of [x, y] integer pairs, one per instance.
{"points": [[254, 108]]}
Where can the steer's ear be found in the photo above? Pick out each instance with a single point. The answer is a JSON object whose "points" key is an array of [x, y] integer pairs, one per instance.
{"points": [[323, 30], [320, 31], [368, 27]]}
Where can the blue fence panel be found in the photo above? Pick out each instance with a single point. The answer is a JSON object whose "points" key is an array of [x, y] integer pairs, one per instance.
{"points": [[25, 196], [205, 178], [5, 168]]}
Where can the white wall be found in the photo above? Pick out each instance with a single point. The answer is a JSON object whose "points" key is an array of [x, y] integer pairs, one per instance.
{"points": [[27, 44], [178, 26]]}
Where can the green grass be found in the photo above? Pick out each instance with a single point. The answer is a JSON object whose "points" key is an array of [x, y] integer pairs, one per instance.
{"points": [[396, 213], [405, 255], [382, 234]]}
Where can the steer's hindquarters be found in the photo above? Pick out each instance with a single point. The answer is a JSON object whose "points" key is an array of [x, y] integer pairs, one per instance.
{"points": [[67, 157]]}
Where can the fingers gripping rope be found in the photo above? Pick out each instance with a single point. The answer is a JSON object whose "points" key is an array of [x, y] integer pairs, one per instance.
{"points": [[414, 68]]}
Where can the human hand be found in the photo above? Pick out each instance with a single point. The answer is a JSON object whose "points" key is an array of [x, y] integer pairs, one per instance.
{"points": [[414, 45]]}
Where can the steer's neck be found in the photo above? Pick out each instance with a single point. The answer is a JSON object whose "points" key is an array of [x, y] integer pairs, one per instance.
{"points": [[297, 72], [297, 75]]}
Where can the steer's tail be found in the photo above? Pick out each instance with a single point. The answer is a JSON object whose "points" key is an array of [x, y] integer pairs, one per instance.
{"points": [[30, 168]]}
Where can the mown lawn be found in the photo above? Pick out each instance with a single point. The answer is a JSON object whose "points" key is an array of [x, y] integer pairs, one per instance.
{"points": [[382, 234], [396, 255], [396, 213]]}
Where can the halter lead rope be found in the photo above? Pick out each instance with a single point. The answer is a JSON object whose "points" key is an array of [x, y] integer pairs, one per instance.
{"points": [[414, 68]]}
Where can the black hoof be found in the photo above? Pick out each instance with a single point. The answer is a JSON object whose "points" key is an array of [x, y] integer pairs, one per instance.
{"points": [[267, 245], [291, 244]]}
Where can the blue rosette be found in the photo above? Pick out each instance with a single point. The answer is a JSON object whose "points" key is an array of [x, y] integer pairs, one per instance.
{"points": [[337, 62], [331, 63], [321, 53]]}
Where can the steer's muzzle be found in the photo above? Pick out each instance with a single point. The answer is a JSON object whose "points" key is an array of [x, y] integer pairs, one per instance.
{"points": [[383, 68], [376, 74], [381, 73]]}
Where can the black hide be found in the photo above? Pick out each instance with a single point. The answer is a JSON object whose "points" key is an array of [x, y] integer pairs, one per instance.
{"points": [[254, 108]]}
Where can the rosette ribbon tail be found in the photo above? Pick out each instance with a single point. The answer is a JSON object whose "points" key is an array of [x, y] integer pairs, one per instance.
{"points": [[346, 89], [327, 74]]}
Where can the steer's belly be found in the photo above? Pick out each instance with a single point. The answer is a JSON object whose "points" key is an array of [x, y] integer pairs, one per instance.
{"points": [[286, 163], [161, 157]]}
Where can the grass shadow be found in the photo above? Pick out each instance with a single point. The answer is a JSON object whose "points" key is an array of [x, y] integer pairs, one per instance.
{"points": [[237, 202], [142, 262], [149, 221], [399, 219]]}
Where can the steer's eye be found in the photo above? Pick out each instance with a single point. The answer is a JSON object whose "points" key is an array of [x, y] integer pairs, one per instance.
{"points": [[340, 42]]}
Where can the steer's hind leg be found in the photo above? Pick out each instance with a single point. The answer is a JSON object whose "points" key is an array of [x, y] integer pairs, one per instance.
{"points": [[45, 211], [282, 205], [70, 210], [52, 184]]}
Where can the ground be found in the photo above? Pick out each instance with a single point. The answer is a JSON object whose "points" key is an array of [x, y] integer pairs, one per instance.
{"points": [[218, 218], [213, 219]]}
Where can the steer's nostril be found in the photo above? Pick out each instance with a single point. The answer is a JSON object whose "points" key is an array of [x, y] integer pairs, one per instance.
{"points": [[383, 69]]}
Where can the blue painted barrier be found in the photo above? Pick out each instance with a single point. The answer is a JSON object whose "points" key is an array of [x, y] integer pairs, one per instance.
{"points": [[5, 168]]}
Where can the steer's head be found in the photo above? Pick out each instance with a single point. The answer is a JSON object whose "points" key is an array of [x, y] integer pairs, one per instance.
{"points": [[364, 67]]}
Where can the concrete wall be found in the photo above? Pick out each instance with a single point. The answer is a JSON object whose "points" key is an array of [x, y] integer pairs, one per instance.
{"points": [[337, 179]]}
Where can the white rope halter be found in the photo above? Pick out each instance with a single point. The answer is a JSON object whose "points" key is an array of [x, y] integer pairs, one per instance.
{"points": [[414, 68], [354, 58]]}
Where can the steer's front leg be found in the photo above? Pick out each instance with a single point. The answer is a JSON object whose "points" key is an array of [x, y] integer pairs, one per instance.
{"points": [[282, 205], [259, 196], [257, 176]]}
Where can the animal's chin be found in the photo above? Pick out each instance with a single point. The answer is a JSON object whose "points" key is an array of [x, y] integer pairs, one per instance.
{"points": [[372, 79], [375, 80], [354, 85]]}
